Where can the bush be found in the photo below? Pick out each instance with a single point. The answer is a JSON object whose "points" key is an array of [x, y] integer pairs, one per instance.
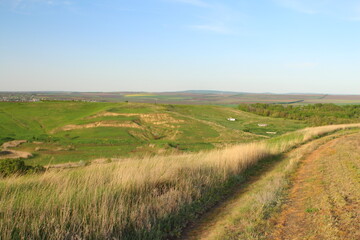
{"points": [[43, 138], [17, 166], [7, 139]]}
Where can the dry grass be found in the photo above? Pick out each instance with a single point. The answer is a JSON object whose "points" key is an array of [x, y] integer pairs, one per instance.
{"points": [[318, 131], [286, 142], [109, 200], [150, 198], [332, 172], [249, 213]]}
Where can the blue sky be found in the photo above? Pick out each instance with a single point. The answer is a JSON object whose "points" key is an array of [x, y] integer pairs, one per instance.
{"points": [[278, 46]]}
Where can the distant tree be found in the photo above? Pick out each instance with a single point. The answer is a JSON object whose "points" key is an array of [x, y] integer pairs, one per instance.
{"points": [[315, 114]]}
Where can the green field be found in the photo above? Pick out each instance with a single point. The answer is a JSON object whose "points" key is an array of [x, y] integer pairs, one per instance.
{"points": [[62, 132]]}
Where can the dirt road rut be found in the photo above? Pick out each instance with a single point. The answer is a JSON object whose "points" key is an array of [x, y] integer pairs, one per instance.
{"points": [[324, 201]]}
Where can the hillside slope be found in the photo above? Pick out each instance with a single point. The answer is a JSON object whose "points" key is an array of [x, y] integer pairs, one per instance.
{"points": [[59, 132]]}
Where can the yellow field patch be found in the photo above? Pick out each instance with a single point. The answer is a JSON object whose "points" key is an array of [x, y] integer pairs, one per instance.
{"points": [[140, 95]]}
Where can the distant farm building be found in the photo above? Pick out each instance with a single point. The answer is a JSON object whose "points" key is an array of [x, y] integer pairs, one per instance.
{"points": [[262, 125], [231, 119], [271, 133]]}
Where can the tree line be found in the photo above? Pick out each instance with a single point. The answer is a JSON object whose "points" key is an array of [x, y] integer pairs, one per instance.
{"points": [[314, 114]]}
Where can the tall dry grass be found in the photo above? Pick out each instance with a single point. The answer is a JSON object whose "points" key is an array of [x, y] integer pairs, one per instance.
{"points": [[150, 198], [287, 141]]}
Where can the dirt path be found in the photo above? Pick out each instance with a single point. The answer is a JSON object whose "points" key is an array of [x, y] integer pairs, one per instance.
{"points": [[206, 227], [241, 216], [217, 222], [12, 144], [324, 202]]}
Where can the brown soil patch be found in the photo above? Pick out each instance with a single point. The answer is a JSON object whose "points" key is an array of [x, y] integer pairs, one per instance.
{"points": [[99, 124], [324, 202], [7, 153], [159, 118], [154, 118], [14, 154], [13, 144]]}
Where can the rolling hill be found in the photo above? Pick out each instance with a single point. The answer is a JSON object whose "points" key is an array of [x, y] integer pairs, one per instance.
{"points": [[60, 132]]}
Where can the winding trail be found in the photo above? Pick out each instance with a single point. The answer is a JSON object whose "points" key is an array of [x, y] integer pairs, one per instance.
{"points": [[214, 221]]}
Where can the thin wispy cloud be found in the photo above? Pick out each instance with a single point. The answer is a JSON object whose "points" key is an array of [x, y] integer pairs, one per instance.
{"points": [[214, 16], [346, 10], [356, 16], [298, 5]]}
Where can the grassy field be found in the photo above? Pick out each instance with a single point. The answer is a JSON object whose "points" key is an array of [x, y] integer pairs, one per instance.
{"points": [[148, 198], [62, 132]]}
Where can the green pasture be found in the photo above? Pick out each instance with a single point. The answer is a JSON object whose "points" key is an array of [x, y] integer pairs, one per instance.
{"points": [[155, 129]]}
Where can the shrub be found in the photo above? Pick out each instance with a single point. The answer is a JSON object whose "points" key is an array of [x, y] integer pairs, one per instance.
{"points": [[11, 166], [17, 166], [7, 139]]}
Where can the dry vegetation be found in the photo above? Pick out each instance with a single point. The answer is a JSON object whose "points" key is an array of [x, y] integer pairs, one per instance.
{"points": [[249, 212], [149, 198], [332, 172]]}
